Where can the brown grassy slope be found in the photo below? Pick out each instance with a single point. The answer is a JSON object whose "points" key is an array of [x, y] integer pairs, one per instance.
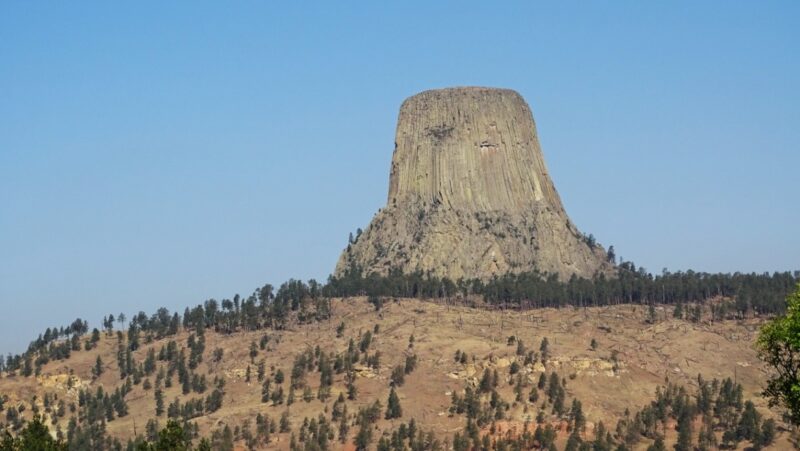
{"points": [[647, 355]]}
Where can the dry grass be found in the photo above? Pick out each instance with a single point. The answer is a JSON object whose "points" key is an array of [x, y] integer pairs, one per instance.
{"points": [[647, 355]]}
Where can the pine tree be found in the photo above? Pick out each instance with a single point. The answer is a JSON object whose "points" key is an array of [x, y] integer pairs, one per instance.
{"points": [[749, 424], [352, 391], [393, 409], [600, 443], [265, 391], [678, 312], [706, 439], [577, 416], [344, 427], [286, 426], [98, 367], [767, 434], [253, 351], [651, 314], [684, 442], [159, 402], [364, 437], [573, 442], [533, 396], [542, 381], [544, 348], [658, 445], [261, 370], [35, 436]]}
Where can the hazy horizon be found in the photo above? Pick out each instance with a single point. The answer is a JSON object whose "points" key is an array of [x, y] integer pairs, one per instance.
{"points": [[160, 155]]}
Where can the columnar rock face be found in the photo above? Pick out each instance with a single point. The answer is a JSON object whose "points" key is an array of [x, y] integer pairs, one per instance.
{"points": [[470, 196]]}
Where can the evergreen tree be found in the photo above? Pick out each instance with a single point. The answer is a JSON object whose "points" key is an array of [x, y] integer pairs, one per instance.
{"points": [[98, 367], [767, 434], [678, 311], [173, 437], [393, 409], [35, 436], [265, 396], [344, 427], [544, 349], [684, 442], [749, 423], [577, 416], [611, 255], [253, 351], [364, 437], [285, 424], [658, 445], [573, 442], [651, 314], [159, 402]]}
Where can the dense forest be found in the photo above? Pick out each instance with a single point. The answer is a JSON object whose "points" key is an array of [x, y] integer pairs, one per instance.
{"points": [[758, 293]]}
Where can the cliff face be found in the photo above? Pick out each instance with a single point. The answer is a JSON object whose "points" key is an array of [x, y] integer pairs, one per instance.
{"points": [[470, 196]]}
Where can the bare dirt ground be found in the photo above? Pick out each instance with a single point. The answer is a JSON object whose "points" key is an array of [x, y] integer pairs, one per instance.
{"points": [[646, 356]]}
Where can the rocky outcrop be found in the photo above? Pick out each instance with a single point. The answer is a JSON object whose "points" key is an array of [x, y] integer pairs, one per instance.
{"points": [[470, 196]]}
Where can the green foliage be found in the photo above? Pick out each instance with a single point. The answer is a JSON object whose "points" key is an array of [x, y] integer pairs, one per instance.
{"points": [[767, 434], [398, 376], [393, 409], [544, 349], [366, 340], [172, 437], [658, 445], [748, 427], [35, 436], [253, 351], [684, 442], [159, 395], [376, 301], [98, 367], [753, 292], [285, 424], [651, 314], [678, 311], [411, 363], [779, 346]]}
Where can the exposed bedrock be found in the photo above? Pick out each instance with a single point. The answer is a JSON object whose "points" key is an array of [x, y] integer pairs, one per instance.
{"points": [[470, 195]]}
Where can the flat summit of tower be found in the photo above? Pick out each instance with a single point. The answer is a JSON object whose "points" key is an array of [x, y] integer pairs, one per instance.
{"points": [[470, 195]]}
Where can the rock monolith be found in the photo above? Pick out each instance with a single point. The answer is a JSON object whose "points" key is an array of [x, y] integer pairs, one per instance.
{"points": [[470, 195]]}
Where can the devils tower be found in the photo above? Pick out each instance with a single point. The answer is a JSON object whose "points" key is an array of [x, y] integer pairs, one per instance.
{"points": [[470, 196]]}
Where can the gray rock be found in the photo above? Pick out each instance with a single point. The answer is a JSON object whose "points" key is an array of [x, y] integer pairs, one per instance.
{"points": [[470, 196]]}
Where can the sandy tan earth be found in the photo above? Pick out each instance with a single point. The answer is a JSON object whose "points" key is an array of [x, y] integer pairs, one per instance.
{"points": [[647, 354]]}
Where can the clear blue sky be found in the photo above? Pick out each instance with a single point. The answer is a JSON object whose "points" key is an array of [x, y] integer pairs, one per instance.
{"points": [[159, 154]]}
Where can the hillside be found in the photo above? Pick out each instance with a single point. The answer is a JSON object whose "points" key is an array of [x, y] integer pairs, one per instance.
{"points": [[630, 359]]}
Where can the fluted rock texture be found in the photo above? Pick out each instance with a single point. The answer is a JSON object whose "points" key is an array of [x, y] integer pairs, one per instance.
{"points": [[470, 196]]}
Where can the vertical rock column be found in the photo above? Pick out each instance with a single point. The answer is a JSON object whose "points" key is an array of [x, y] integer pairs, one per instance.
{"points": [[470, 195]]}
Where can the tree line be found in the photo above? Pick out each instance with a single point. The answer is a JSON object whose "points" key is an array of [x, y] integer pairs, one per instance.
{"points": [[763, 293], [306, 302]]}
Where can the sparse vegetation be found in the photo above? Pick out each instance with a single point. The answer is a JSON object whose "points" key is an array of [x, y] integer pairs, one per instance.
{"points": [[161, 359]]}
